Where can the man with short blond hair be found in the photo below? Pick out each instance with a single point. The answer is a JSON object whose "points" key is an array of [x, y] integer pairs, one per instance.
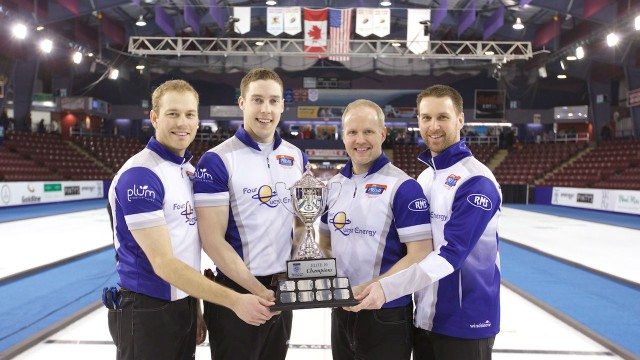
{"points": [[378, 224], [155, 314]]}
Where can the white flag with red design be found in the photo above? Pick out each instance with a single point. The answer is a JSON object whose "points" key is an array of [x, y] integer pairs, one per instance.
{"points": [[315, 30]]}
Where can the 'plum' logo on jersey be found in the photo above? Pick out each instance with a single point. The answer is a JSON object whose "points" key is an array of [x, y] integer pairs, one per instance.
{"points": [[452, 180], [140, 192], [481, 201], [266, 196], [419, 205], [285, 160], [202, 174], [375, 189]]}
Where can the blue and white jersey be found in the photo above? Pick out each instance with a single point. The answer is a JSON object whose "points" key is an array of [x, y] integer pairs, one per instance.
{"points": [[370, 219], [153, 188], [251, 182], [463, 273]]}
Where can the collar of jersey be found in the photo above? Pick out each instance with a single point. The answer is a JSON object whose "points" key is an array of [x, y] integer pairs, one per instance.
{"points": [[155, 146], [382, 160], [246, 139], [448, 157]]}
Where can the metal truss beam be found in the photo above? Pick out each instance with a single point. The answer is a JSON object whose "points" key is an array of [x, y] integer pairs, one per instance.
{"points": [[495, 51]]}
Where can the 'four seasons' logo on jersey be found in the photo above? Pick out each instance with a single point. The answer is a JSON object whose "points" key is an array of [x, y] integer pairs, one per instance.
{"points": [[265, 195]]}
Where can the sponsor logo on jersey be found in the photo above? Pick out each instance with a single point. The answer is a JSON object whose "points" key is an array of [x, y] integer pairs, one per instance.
{"points": [[419, 205], [140, 192], [187, 211], [481, 201], [485, 324], [341, 223], [201, 174], [265, 195], [375, 189], [452, 180], [439, 217], [285, 160]]}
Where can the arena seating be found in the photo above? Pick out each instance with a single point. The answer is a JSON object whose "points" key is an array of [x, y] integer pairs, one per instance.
{"points": [[111, 151], [533, 161], [49, 158], [611, 164]]}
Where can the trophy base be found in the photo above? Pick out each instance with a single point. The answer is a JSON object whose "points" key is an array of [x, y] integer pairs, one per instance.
{"points": [[310, 293]]}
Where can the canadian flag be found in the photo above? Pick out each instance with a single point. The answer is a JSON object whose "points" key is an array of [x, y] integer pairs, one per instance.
{"points": [[315, 30]]}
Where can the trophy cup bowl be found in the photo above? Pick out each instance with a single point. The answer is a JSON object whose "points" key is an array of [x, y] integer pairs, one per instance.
{"points": [[311, 278]]}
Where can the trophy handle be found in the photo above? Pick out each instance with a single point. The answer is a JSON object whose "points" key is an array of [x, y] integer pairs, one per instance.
{"points": [[330, 206], [282, 202]]}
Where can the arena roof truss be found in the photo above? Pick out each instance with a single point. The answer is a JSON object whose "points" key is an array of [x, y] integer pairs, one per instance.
{"points": [[493, 51]]}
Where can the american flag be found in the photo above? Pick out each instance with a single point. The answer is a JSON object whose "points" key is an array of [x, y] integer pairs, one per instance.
{"points": [[339, 33]]}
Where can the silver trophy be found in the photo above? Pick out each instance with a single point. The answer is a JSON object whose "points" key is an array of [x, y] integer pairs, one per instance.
{"points": [[311, 280]]}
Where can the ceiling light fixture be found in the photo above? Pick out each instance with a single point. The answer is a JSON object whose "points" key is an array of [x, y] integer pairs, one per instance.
{"points": [[612, 39], [77, 57], [19, 31], [46, 45], [140, 67], [561, 76], [571, 58], [385, 3], [518, 25], [271, 2], [113, 74], [395, 44], [579, 52], [141, 21], [636, 22]]}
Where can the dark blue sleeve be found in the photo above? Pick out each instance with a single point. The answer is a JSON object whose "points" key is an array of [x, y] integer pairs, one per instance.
{"points": [[410, 207], [139, 190], [475, 203], [211, 175]]}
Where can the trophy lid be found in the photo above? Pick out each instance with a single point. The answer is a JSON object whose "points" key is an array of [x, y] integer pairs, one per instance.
{"points": [[308, 180]]}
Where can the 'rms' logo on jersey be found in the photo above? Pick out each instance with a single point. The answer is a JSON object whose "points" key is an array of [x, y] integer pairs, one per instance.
{"points": [[419, 205], [375, 189], [452, 180], [481, 201], [285, 160]]}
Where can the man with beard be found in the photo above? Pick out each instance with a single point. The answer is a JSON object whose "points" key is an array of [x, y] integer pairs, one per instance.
{"points": [[458, 285]]}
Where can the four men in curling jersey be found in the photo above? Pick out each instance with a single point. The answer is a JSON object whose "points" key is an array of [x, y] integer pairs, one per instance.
{"points": [[234, 193]]}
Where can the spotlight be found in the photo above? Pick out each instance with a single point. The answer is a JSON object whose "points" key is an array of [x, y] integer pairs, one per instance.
{"points": [[46, 45], [542, 71], [385, 3], [113, 75], [141, 21], [561, 76], [636, 22], [579, 52], [271, 2], [518, 25], [562, 65], [571, 58], [395, 44], [39, 28], [77, 57], [19, 31], [612, 39]]}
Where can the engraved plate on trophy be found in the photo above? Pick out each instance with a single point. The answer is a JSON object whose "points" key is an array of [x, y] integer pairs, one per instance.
{"points": [[313, 274]]}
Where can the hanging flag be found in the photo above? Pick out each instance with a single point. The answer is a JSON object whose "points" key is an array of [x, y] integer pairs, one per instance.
{"points": [[315, 30], [292, 23], [191, 18], [243, 14], [164, 21], [275, 20], [417, 36], [339, 33], [364, 21], [381, 22]]}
